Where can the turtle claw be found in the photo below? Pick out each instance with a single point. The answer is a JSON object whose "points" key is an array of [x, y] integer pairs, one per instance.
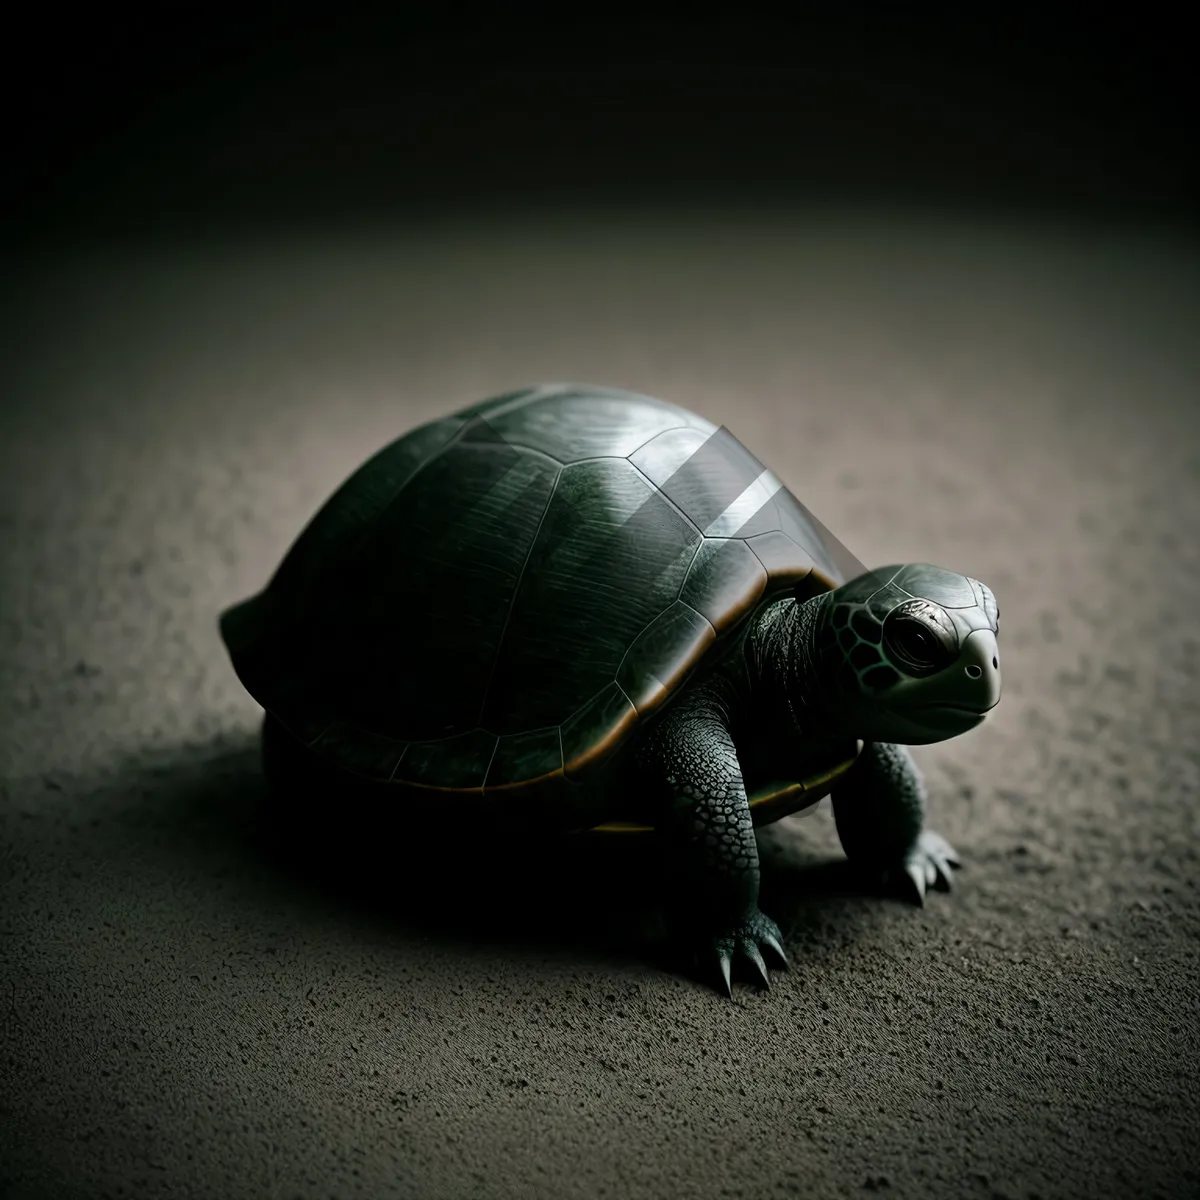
{"points": [[724, 951], [752, 952], [913, 881], [927, 865], [746, 941], [780, 958]]}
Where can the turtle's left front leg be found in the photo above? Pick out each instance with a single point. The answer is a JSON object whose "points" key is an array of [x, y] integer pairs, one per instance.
{"points": [[879, 807]]}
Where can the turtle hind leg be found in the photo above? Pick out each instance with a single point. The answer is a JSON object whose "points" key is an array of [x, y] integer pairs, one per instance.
{"points": [[879, 807]]}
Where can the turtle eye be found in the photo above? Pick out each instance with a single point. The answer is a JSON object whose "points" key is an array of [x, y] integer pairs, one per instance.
{"points": [[920, 638]]}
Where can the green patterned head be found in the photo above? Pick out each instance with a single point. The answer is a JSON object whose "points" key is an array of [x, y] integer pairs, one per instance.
{"points": [[910, 652]]}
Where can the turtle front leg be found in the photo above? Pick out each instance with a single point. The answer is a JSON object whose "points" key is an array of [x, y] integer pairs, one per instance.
{"points": [[704, 820], [879, 807]]}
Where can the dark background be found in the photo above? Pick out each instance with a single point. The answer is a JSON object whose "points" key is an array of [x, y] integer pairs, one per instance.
{"points": [[939, 272], [121, 121]]}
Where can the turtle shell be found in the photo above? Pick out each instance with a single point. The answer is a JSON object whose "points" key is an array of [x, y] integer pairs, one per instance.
{"points": [[495, 600]]}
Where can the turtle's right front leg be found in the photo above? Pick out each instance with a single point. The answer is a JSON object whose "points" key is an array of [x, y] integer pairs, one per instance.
{"points": [[690, 762]]}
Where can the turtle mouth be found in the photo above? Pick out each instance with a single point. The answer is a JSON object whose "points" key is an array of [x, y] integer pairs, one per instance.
{"points": [[945, 720], [957, 716]]}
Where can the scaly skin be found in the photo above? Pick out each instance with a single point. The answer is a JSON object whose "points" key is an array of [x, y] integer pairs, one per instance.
{"points": [[879, 807], [693, 760], [693, 764]]}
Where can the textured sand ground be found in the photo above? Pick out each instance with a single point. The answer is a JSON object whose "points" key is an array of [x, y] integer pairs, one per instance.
{"points": [[187, 1012]]}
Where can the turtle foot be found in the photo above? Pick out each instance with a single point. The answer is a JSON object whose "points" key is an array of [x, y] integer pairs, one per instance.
{"points": [[927, 865], [749, 938]]}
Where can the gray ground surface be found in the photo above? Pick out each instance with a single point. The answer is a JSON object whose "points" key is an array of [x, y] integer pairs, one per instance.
{"points": [[185, 1014]]}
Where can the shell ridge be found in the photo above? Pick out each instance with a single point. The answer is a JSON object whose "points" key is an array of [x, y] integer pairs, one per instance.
{"points": [[459, 433], [363, 534], [683, 581], [756, 554], [633, 642], [491, 759], [509, 444], [661, 494], [312, 745], [653, 437], [403, 752], [692, 608]]}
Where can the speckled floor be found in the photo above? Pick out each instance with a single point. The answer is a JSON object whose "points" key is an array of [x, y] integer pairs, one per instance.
{"points": [[189, 1010]]}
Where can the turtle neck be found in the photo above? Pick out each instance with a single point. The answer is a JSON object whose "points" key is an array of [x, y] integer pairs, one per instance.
{"points": [[786, 667]]}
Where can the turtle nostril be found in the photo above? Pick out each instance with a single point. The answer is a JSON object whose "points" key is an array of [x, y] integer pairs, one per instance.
{"points": [[995, 661], [973, 671]]}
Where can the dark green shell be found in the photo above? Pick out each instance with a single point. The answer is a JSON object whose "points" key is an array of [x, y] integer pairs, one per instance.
{"points": [[497, 598]]}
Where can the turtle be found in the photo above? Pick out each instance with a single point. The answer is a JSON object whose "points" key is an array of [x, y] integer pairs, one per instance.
{"points": [[594, 611]]}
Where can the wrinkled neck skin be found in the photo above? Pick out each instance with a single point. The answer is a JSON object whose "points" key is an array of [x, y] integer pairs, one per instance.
{"points": [[786, 672]]}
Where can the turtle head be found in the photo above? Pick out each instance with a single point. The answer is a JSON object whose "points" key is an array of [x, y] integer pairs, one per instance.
{"points": [[911, 654]]}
